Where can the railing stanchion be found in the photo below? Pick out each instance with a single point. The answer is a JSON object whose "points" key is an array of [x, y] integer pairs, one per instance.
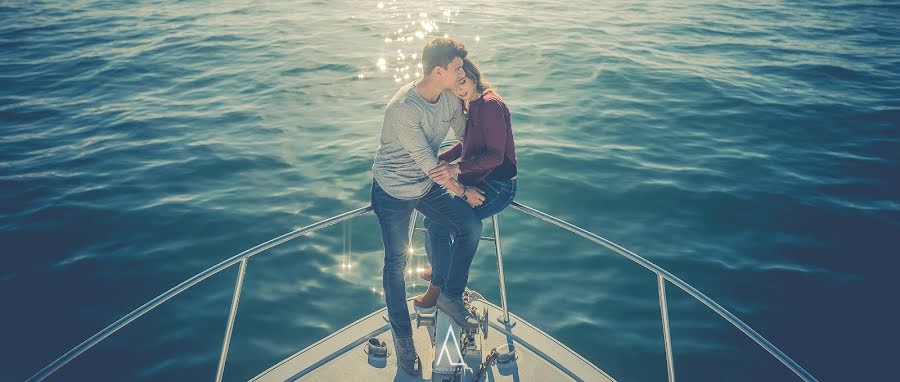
{"points": [[412, 229], [230, 326], [409, 244], [664, 309], [505, 319]]}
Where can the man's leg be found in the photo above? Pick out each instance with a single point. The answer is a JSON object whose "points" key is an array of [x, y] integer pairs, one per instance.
{"points": [[393, 219]]}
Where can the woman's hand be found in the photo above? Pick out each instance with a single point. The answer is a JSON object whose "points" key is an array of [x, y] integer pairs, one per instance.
{"points": [[474, 196]]}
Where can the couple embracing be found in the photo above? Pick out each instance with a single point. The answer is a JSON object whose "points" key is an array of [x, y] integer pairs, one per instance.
{"points": [[473, 180]]}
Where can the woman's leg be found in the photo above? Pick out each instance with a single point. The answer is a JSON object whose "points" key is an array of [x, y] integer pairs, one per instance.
{"points": [[498, 194], [465, 227], [437, 246]]}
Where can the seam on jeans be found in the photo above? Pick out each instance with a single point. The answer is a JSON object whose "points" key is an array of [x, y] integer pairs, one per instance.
{"points": [[490, 186], [501, 185]]}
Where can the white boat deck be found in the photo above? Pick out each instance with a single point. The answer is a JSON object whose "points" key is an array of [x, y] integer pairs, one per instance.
{"points": [[341, 355]]}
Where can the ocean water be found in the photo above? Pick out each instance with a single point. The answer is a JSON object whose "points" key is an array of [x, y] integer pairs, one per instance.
{"points": [[753, 149]]}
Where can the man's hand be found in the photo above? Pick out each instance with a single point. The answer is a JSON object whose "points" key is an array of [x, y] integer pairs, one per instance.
{"points": [[442, 181], [443, 172], [474, 196]]}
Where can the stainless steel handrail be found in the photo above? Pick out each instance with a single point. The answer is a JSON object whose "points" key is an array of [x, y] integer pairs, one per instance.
{"points": [[150, 305], [662, 273], [242, 257], [223, 355], [498, 249], [667, 337]]}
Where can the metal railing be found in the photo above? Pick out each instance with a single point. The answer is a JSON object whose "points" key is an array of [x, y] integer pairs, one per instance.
{"points": [[663, 275], [239, 258], [243, 257]]}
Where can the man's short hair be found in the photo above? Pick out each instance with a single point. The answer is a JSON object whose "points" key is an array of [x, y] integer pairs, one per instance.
{"points": [[440, 52]]}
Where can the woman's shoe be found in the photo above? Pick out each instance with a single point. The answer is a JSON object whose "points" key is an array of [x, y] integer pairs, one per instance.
{"points": [[426, 302]]}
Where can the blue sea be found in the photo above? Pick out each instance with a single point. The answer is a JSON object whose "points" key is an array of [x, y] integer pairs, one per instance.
{"points": [[751, 148]]}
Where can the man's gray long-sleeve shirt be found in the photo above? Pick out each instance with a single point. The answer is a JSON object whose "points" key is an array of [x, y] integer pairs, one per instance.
{"points": [[411, 135]]}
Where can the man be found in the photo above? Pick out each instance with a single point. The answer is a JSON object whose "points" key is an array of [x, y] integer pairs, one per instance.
{"points": [[416, 121]]}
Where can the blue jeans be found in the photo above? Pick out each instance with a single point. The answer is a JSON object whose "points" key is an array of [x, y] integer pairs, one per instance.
{"points": [[393, 219], [497, 195]]}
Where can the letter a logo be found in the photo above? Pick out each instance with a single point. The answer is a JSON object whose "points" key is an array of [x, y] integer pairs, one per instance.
{"points": [[444, 350]]}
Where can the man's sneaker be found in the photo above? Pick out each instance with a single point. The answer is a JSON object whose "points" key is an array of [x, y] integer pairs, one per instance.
{"points": [[407, 359], [426, 302], [456, 310]]}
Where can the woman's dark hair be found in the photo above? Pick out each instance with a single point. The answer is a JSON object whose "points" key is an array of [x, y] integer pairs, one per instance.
{"points": [[473, 72]]}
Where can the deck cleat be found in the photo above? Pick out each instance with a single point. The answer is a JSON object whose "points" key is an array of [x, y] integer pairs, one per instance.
{"points": [[377, 352]]}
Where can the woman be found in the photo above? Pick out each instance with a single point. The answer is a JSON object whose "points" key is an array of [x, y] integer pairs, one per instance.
{"points": [[487, 163]]}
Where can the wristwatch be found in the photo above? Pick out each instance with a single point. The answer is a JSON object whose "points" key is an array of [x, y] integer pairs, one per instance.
{"points": [[463, 196]]}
